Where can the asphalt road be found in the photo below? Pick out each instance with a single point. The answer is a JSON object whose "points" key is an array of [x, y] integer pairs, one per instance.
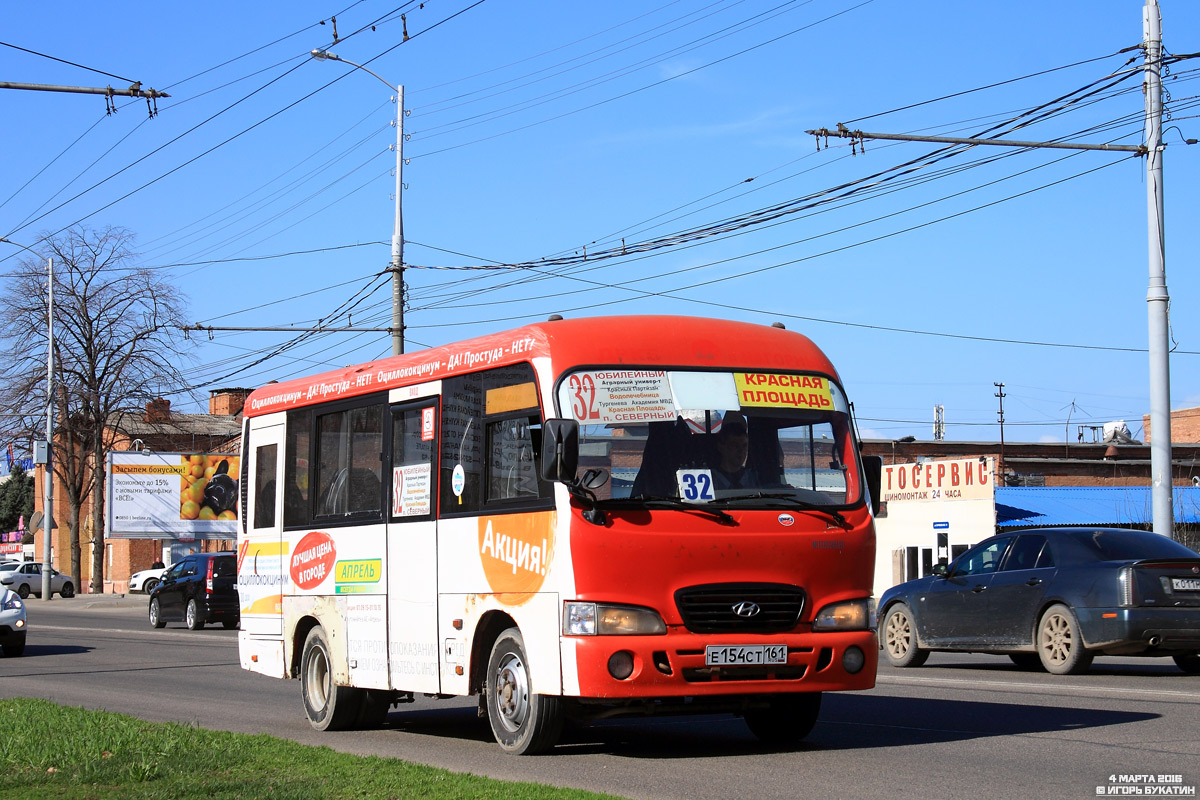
{"points": [[962, 726]]}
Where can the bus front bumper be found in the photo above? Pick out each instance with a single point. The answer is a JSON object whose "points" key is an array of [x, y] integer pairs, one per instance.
{"points": [[676, 664]]}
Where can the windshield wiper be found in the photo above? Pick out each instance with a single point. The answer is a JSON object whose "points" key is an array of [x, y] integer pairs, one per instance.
{"points": [[594, 507], [790, 501], [677, 505]]}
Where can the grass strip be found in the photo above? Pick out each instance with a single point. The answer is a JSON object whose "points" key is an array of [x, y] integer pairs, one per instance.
{"points": [[76, 754]]}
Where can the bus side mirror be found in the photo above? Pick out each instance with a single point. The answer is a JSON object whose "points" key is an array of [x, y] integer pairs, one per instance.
{"points": [[873, 470], [560, 450]]}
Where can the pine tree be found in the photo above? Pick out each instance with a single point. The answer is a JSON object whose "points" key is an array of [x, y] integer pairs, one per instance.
{"points": [[16, 498]]}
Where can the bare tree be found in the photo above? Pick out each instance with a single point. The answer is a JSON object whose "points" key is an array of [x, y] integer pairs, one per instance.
{"points": [[116, 328]]}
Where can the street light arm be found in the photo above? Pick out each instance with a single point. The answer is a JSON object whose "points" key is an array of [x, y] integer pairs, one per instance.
{"points": [[398, 227], [18, 244], [325, 55]]}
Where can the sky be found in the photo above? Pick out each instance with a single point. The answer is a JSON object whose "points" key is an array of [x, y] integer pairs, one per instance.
{"points": [[538, 133]]}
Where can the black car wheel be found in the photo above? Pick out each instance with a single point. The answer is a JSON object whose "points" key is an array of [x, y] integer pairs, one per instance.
{"points": [[1060, 644], [156, 619], [898, 635], [23, 591], [149, 585], [787, 718], [1026, 660], [194, 616], [67, 590], [229, 624], [523, 721], [15, 646], [1189, 663]]}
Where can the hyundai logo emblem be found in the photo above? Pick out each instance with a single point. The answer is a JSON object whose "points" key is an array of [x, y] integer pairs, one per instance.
{"points": [[746, 609]]}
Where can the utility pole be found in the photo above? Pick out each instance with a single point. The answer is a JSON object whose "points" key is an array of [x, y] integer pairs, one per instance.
{"points": [[1000, 394], [1161, 474], [151, 96], [1157, 298], [48, 501], [398, 234]]}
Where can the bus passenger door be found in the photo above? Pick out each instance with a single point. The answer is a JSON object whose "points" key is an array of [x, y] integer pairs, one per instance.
{"points": [[261, 558], [412, 548]]}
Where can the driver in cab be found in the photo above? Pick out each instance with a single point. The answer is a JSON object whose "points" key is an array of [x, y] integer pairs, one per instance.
{"points": [[732, 448]]}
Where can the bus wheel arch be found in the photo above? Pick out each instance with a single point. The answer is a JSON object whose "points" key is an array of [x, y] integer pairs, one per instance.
{"points": [[299, 636], [487, 631]]}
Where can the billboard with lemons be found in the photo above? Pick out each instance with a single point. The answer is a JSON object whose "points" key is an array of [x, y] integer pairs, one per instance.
{"points": [[172, 495]]}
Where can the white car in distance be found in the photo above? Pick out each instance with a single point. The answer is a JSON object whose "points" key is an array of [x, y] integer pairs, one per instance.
{"points": [[144, 580], [25, 578]]}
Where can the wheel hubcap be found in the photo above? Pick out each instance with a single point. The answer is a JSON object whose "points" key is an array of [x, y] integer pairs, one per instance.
{"points": [[897, 635], [1056, 639], [512, 692], [317, 679]]}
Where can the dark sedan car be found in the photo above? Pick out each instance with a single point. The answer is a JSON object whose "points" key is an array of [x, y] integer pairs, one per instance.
{"points": [[198, 589], [1054, 597]]}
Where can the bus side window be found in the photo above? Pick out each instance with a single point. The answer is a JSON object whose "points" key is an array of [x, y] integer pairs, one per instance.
{"points": [[349, 460], [461, 444], [265, 458], [511, 469], [491, 439], [412, 454], [295, 469]]}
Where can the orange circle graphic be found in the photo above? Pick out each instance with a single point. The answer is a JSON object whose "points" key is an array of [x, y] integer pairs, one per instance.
{"points": [[516, 550]]}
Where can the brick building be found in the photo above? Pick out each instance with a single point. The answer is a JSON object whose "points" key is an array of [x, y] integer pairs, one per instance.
{"points": [[1185, 425]]}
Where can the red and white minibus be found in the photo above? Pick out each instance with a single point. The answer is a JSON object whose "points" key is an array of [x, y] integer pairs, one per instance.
{"points": [[574, 519]]}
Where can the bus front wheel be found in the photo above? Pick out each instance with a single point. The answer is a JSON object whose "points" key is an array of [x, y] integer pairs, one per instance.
{"points": [[329, 707], [523, 722]]}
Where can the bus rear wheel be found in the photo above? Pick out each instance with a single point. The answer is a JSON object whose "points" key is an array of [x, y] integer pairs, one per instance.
{"points": [[787, 718], [329, 707], [523, 722]]}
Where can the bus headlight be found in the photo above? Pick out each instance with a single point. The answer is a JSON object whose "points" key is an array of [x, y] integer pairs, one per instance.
{"points": [[592, 619], [848, 615]]}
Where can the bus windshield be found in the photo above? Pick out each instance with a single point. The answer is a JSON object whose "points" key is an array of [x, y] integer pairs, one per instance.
{"points": [[714, 437]]}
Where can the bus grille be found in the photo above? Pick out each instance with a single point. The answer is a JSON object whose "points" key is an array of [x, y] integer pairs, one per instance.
{"points": [[714, 608]]}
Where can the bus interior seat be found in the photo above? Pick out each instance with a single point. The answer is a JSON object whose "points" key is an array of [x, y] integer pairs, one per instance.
{"points": [[364, 490], [333, 499], [351, 491]]}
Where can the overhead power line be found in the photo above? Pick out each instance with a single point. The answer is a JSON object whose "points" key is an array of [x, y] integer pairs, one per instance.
{"points": [[69, 63]]}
